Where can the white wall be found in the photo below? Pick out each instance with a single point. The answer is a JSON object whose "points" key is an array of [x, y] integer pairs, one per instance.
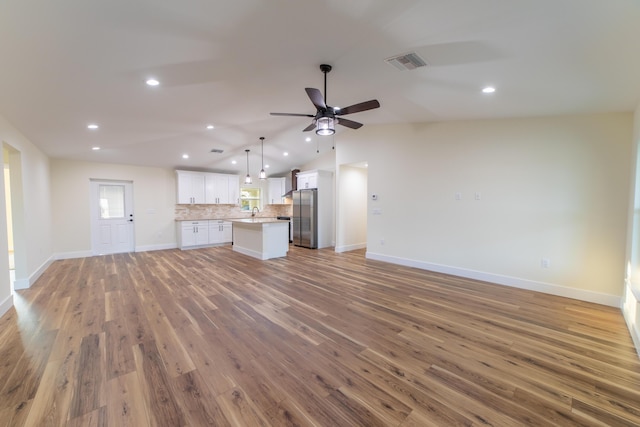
{"points": [[154, 194], [631, 298], [351, 229], [554, 188], [325, 160], [33, 243]]}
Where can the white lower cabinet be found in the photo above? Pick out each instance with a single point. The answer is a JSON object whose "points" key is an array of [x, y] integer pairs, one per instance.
{"points": [[193, 233], [219, 232], [204, 233]]}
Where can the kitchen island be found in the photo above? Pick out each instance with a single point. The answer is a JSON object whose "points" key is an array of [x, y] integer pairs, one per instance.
{"points": [[262, 238]]}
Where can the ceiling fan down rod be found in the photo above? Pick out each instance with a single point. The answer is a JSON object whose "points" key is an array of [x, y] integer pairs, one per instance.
{"points": [[325, 68]]}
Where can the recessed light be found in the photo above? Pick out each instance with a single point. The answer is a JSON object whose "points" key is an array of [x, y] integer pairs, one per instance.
{"points": [[92, 126], [95, 148], [210, 127], [185, 156], [285, 154], [233, 162], [266, 166], [308, 139], [153, 82], [489, 89]]}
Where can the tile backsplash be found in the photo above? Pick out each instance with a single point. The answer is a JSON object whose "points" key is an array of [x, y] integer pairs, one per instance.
{"points": [[192, 212]]}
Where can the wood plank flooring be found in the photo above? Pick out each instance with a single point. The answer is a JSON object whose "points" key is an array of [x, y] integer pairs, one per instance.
{"points": [[211, 337]]}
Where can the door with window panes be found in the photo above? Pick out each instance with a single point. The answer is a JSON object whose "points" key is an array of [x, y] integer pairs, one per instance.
{"points": [[111, 217]]}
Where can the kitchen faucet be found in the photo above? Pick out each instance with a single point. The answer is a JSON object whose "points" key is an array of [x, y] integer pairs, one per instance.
{"points": [[253, 211]]}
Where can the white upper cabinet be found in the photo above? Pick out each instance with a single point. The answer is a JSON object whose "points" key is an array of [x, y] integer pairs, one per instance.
{"points": [[276, 191], [307, 180], [207, 188], [234, 189], [190, 187], [222, 189]]}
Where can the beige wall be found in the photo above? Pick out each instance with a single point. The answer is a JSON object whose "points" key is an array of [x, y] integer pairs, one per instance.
{"points": [[553, 188], [154, 204]]}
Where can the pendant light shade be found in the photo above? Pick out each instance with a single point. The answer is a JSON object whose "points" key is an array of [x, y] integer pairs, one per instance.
{"points": [[247, 179], [263, 174], [325, 126]]}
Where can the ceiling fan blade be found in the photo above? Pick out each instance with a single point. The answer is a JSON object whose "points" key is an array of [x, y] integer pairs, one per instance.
{"points": [[349, 123], [316, 97], [356, 108], [292, 114], [312, 126]]}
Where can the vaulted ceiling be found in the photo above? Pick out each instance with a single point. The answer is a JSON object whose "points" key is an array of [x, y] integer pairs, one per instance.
{"points": [[66, 64]]}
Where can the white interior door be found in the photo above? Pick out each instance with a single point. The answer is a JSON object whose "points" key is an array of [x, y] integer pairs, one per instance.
{"points": [[112, 217]]}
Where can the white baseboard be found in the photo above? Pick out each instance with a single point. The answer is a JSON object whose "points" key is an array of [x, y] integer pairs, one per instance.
{"points": [[6, 304], [630, 308], [347, 248], [72, 255], [26, 283], [635, 336], [20, 284], [515, 282], [86, 254], [162, 247], [249, 252]]}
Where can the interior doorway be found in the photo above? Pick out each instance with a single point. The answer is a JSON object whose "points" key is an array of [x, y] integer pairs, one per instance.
{"points": [[351, 230], [112, 229], [16, 241], [7, 196]]}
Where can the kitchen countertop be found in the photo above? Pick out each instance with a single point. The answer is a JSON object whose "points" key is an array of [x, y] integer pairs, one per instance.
{"points": [[242, 219], [258, 220]]}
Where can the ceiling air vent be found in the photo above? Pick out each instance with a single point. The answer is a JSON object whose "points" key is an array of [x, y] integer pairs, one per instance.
{"points": [[216, 150], [407, 61]]}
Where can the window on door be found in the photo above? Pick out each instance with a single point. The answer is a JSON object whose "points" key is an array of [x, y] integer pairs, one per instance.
{"points": [[111, 201]]}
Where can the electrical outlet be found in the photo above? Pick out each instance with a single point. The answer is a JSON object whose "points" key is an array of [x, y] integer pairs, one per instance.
{"points": [[545, 263], [478, 195], [458, 196], [382, 241]]}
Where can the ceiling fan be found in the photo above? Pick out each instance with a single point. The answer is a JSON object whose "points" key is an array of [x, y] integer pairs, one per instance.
{"points": [[326, 116]]}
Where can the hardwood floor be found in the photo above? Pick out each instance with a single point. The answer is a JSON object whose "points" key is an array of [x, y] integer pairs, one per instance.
{"points": [[212, 337]]}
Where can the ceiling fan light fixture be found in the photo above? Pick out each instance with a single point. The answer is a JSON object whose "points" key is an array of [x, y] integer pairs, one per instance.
{"points": [[325, 126]]}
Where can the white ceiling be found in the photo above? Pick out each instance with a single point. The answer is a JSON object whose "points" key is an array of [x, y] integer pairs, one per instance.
{"points": [[65, 64]]}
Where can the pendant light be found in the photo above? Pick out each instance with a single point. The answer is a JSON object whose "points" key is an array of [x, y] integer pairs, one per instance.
{"points": [[247, 179], [263, 174]]}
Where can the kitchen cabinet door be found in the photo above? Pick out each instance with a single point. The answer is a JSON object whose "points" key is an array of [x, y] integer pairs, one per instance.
{"points": [[307, 180], [190, 187], [222, 188], [219, 232], [227, 233], [234, 190], [193, 233], [276, 190]]}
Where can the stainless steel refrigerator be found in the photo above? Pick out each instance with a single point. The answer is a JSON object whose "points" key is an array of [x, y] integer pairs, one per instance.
{"points": [[305, 218]]}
